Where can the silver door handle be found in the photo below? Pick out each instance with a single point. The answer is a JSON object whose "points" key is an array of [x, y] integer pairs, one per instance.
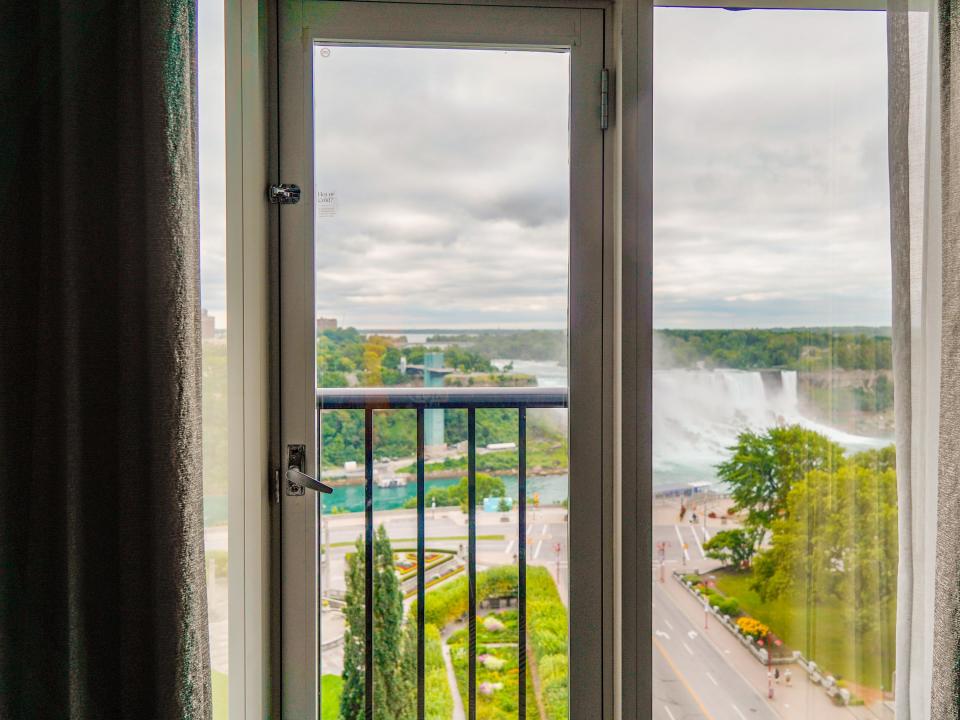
{"points": [[295, 477]]}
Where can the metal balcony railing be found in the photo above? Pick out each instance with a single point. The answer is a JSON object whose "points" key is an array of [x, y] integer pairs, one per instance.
{"points": [[422, 399]]}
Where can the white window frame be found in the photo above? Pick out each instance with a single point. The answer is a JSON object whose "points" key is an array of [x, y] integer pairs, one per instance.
{"points": [[251, 150]]}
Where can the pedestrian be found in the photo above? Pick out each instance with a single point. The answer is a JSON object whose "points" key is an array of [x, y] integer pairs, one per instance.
{"points": [[693, 518], [787, 677], [776, 675]]}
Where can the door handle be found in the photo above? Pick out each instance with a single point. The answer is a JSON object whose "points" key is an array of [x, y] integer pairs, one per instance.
{"points": [[301, 479]]}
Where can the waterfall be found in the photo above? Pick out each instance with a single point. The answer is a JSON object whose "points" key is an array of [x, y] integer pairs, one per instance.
{"points": [[697, 415]]}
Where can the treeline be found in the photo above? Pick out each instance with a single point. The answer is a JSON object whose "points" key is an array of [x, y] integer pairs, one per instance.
{"points": [[794, 349], [548, 345], [375, 359], [395, 432]]}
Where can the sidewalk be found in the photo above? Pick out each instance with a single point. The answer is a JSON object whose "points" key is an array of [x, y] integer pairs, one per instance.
{"points": [[801, 701]]}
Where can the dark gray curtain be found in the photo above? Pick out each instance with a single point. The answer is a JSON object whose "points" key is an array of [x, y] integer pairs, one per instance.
{"points": [[102, 598]]}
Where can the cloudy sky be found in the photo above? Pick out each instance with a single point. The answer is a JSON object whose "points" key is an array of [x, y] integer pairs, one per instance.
{"points": [[445, 177]]}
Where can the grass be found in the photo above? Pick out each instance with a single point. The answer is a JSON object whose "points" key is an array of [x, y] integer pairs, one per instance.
{"points": [[331, 686], [822, 633], [220, 695]]}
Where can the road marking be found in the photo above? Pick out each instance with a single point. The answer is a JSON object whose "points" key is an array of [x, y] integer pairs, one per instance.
{"points": [[661, 633], [536, 553], [737, 711], [682, 679], [543, 533], [706, 535], [667, 623], [697, 540], [711, 679], [692, 634], [669, 713], [683, 550], [509, 547], [686, 647]]}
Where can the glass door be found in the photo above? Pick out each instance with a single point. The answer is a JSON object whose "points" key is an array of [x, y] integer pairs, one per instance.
{"points": [[445, 362]]}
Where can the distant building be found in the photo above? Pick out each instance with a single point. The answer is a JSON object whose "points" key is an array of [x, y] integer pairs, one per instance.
{"points": [[326, 324], [207, 324]]}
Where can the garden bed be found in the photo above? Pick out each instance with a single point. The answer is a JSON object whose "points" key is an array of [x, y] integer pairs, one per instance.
{"points": [[498, 680], [547, 634]]}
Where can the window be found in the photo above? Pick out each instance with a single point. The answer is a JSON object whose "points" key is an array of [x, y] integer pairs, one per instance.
{"points": [[775, 513], [214, 336]]}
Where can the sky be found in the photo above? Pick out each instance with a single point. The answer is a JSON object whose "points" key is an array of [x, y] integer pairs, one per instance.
{"points": [[445, 177]]}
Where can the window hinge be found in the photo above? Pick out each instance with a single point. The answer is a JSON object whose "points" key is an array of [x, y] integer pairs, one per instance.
{"points": [[283, 194], [604, 99]]}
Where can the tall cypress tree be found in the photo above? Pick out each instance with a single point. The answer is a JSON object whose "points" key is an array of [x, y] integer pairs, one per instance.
{"points": [[351, 699], [392, 692]]}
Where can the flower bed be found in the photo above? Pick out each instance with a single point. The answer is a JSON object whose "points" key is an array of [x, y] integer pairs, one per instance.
{"points": [[487, 630], [498, 680], [749, 629], [406, 561]]}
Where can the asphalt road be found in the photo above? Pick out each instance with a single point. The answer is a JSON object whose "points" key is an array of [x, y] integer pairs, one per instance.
{"points": [[692, 679]]}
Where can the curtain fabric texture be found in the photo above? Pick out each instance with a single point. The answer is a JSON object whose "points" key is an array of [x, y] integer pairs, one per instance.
{"points": [[102, 596], [924, 66]]}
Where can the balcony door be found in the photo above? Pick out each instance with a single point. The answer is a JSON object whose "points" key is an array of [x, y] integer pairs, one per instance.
{"points": [[445, 361]]}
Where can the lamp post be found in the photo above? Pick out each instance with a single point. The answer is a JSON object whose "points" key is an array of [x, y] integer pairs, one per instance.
{"points": [[771, 642]]}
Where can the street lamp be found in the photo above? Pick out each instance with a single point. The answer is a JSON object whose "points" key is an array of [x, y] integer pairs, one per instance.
{"points": [[771, 642]]}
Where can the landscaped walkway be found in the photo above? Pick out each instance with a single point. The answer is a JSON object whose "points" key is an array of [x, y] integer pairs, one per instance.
{"points": [[458, 712]]}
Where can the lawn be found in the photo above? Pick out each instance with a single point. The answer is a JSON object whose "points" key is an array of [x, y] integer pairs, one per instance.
{"points": [[822, 633], [330, 688]]}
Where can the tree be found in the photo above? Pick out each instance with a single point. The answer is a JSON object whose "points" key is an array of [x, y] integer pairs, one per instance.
{"points": [[732, 547], [393, 692], [764, 467], [837, 541]]}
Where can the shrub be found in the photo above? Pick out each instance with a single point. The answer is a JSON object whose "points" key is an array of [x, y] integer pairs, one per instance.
{"points": [[729, 606]]}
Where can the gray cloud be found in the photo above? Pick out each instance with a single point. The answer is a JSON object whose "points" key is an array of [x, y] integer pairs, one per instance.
{"points": [[451, 174]]}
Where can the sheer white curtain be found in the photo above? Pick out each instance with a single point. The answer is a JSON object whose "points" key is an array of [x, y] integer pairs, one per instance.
{"points": [[925, 238]]}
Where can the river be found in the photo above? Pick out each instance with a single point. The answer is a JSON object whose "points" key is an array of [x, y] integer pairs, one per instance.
{"points": [[552, 490]]}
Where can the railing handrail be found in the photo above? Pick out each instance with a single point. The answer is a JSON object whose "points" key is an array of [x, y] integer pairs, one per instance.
{"points": [[441, 398]]}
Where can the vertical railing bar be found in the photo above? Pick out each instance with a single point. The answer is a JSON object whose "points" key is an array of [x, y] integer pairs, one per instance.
{"points": [[368, 672], [522, 571], [472, 558], [421, 572]]}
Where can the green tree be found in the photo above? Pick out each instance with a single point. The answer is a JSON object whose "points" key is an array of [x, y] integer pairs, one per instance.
{"points": [[764, 466], [732, 547], [836, 541], [393, 693]]}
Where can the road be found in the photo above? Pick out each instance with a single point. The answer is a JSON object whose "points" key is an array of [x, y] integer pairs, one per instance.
{"points": [[692, 678]]}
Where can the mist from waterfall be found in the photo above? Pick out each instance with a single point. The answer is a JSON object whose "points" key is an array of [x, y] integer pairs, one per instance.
{"points": [[697, 415]]}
